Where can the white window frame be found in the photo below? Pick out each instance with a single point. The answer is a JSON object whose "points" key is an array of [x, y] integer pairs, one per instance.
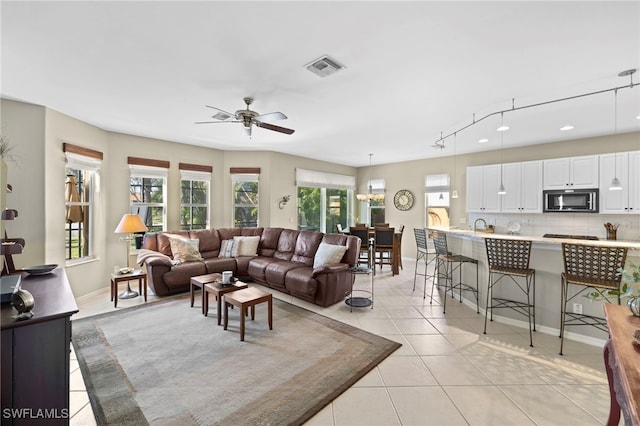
{"points": [[137, 171], [244, 177], [91, 168], [323, 180], [196, 176]]}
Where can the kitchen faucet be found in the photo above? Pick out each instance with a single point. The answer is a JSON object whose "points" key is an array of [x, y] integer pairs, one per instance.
{"points": [[475, 223]]}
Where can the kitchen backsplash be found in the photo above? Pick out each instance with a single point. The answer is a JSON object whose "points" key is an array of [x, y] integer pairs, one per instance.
{"points": [[563, 223]]}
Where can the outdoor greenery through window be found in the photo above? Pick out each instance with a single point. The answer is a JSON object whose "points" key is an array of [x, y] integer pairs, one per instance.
{"points": [[78, 198], [245, 200], [147, 195], [322, 209], [81, 188], [194, 213], [324, 200]]}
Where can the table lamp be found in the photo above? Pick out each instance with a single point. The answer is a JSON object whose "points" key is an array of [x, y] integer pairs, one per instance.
{"points": [[129, 224]]}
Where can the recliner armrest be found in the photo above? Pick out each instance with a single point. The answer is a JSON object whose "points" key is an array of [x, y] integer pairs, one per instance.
{"points": [[329, 269]]}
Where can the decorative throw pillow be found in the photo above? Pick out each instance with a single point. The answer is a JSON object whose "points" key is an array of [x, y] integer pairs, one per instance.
{"points": [[226, 248], [328, 254], [246, 246], [184, 249]]}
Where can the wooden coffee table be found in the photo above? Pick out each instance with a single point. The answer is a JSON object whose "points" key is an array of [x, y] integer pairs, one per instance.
{"points": [[199, 282], [244, 299], [219, 291]]}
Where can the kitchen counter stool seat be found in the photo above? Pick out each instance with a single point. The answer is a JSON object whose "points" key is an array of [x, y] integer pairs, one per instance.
{"points": [[446, 264], [510, 259], [588, 268]]}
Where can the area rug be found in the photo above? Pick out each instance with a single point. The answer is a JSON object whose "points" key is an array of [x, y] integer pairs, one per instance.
{"points": [[165, 363]]}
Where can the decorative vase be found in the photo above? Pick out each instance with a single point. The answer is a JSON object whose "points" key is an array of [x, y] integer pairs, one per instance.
{"points": [[634, 305]]}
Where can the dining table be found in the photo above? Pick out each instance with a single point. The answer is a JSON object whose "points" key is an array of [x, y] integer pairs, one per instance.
{"points": [[396, 250]]}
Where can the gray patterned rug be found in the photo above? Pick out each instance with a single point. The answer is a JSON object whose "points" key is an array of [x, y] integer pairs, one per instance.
{"points": [[165, 363]]}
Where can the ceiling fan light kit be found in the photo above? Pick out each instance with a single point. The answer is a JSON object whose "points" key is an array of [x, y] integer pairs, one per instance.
{"points": [[248, 118]]}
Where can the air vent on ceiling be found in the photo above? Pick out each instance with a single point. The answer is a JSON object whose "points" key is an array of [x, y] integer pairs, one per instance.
{"points": [[221, 116], [324, 66]]}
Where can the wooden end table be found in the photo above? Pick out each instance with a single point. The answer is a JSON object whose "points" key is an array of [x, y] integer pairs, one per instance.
{"points": [[243, 299], [116, 278], [219, 291], [199, 282]]}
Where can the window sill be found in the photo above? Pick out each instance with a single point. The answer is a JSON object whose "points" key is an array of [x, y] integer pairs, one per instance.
{"points": [[81, 261]]}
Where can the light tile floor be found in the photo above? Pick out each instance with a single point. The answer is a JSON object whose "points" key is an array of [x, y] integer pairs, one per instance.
{"points": [[446, 373]]}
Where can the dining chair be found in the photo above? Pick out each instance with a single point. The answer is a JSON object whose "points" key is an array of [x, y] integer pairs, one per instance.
{"points": [[383, 248], [588, 268], [363, 256], [509, 258], [381, 225], [399, 245], [446, 264], [426, 255]]}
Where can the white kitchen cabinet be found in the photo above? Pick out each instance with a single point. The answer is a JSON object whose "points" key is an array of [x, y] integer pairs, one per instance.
{"points": [[626, 165], [482, 188], [523, 183], [571, 172]]}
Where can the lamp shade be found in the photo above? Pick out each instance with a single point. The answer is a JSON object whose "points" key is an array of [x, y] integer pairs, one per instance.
{"points": [[130, 223]]}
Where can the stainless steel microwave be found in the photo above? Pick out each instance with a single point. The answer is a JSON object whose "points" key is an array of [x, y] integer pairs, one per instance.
{"points": [[571, 200]]}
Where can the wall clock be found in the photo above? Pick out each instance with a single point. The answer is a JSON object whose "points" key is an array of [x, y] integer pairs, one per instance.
{"points": [[403, 200]]}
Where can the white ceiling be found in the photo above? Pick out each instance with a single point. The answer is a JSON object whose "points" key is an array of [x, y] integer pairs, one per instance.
{"points": [[413, 70]]}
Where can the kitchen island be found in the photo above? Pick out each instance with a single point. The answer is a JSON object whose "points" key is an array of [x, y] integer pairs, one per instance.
{"points": [[546, 259]]}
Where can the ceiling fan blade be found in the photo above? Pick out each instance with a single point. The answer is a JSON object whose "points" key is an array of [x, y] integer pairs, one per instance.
{"points": [[274, 127], [221, 115], [216, 122], [271, 116]]}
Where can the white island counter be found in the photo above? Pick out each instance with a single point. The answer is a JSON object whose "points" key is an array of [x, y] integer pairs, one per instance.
{"points": [[546, 259]]}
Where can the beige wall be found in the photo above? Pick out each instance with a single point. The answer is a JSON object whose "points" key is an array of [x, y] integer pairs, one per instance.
{"points": [[38, 181]]}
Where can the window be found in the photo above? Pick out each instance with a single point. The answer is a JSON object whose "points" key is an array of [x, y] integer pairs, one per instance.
{"points": [[194, 198], [437, 196], [324, 200], [245, 197], [376, 207], [147, 191], [81, 185]]}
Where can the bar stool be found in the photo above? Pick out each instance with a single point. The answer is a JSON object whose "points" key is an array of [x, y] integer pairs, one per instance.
{"points": [[450, 262], [425, 254], [590, 268], [510, 259]]}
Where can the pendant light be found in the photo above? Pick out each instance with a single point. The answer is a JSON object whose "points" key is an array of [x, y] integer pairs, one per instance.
{"points": [[370, 195], [615, 182], [501, 129], [454, 192]]}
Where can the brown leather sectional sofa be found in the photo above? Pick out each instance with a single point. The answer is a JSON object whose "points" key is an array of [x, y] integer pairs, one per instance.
{"points": [[284, 262]]}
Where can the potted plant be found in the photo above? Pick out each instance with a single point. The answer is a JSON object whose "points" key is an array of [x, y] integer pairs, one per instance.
{"points": [[632, 292]]}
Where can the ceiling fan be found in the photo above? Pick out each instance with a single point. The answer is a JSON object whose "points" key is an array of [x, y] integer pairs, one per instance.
{"points": [[248, 118]]}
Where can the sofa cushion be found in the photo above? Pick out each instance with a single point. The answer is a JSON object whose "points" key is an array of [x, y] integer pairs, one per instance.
{"points": [[275, 272], [164, 246], [328, 254], [219, 264], [306, 247], [209, 241], [246, 246], [184, 249], [286, 244], [227, 248], [269, 241]]}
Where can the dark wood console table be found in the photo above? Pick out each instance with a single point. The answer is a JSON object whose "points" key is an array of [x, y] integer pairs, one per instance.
{"points": [[622, 362], [35, 353]]}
